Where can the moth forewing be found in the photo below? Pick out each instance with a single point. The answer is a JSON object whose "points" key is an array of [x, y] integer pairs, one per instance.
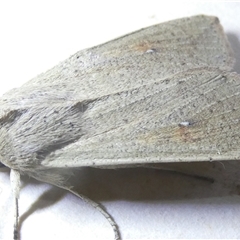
{"points": [[144, 125], [126, 63], [161, 94]]}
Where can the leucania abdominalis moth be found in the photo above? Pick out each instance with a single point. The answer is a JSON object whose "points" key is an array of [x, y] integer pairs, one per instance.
{"points": [[161, 95]]}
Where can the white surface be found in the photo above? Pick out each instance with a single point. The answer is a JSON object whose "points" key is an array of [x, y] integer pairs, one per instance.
{"points": [[146, 204]]}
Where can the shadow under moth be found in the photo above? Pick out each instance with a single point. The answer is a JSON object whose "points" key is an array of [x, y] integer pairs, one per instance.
{"points": [[162, 95]]}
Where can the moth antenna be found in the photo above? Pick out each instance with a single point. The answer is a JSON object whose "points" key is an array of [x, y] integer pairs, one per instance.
{"points": [[100, 209], [15, 185]]}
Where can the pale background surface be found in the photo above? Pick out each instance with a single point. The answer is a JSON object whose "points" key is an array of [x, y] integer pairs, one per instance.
{"points": [[146, 203]]}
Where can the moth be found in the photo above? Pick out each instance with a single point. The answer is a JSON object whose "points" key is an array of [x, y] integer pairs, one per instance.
{"points": [[161, 95]]}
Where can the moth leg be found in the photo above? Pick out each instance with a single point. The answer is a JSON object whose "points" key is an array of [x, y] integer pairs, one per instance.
{"points": [[98, 207], [15, 185], [59, 178]]}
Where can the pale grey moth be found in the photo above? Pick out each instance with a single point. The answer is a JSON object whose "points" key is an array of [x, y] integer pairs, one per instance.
{"points": [[163, 94]]}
